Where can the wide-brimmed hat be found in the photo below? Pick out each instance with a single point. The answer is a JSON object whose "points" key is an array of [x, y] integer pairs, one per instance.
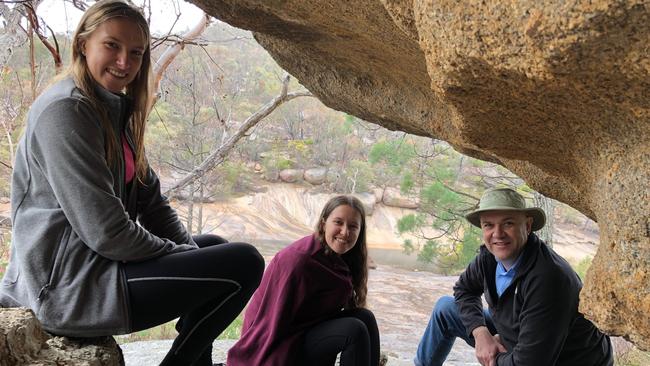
{"points": [[506, 199]]}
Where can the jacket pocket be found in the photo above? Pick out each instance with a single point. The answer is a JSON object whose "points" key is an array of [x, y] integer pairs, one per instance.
{"points": [[58, 261]]}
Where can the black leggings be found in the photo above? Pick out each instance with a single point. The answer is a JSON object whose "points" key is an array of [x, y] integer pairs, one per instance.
{"points": [[354, 334], [207, 287]]}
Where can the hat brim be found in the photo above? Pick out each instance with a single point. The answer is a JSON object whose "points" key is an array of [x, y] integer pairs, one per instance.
{"points": [[538, 215]]}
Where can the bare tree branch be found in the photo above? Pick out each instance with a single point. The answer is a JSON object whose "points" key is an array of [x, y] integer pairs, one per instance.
{"points": [[217, 156], [10, 34], [172, 51], [35, 27]]}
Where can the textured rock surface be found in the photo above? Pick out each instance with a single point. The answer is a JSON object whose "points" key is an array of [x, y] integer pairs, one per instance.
{"points": [[393, 197], [23, 342], [368, 201], [315, 176], [558, 92], [291, 175]]}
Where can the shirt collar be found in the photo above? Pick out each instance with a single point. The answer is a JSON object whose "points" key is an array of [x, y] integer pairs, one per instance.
{"points": [[501, 270]]}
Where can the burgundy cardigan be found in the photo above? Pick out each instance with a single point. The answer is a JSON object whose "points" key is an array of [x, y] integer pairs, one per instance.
{"points": [[301, 287]]}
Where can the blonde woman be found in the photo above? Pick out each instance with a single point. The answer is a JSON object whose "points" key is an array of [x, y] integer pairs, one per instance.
{"points": [[96, 248]]}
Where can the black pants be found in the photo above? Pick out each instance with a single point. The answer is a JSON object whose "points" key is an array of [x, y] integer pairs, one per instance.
{"points": [[354, 334], [207, 287]]}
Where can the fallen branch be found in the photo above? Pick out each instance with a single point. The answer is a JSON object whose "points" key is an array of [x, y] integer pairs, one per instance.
{"points": [[217, 157]]}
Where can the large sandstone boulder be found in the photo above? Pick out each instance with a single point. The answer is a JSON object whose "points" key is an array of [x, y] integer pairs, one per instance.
{"points": [[368, 201], [315, 176], [291, 175], [393, 197], [23, 342], [557, 92]]}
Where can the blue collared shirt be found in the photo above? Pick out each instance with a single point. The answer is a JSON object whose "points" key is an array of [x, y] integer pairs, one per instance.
{"points": [[503, 278]]}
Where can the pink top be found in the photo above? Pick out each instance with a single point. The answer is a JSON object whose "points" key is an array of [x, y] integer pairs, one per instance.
{"points": [[129, 162]]}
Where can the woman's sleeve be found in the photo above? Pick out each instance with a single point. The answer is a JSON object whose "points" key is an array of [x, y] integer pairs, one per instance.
{"points": [[155, 213], [270, 333], [67, 146]]}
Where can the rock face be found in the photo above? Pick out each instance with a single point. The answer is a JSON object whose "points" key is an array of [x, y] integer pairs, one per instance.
{"points": [[23, 342], [368, 201], [557, 92], [393, 197]]}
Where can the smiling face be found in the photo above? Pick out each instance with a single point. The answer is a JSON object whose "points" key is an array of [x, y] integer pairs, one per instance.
{"points": [[505, 234], [342, 228], [114, 52]]}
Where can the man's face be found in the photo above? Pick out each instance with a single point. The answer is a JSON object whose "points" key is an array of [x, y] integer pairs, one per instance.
{"points": [[505, 233]]}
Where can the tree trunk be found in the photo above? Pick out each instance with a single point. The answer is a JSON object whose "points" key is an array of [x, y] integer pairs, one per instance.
{"points": [[190, 209], [548, 205]]}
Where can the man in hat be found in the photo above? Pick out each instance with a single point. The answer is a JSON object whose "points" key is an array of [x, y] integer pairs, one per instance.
{"points": [[531, 293]]}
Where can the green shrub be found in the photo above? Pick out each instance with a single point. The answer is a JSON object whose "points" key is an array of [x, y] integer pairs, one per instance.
{"points": [[168, 331], [582, 267]]}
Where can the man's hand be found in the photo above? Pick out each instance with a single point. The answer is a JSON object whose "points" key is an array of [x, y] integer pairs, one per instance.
{"points": [[487, 346]]}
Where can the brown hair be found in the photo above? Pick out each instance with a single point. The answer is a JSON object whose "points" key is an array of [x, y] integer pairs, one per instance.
{"points": [[357, 257], [139, 89]]}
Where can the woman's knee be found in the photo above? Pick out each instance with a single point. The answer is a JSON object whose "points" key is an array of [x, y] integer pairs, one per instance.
{"points": [[206, 240], [366, 316], [252, 261], [357, 330]]}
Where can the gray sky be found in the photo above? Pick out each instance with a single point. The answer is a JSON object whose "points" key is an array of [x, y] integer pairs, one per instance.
{"points": [[62, 19]]}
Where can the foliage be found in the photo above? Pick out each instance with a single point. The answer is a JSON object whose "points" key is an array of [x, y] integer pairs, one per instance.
{"points": [[275, 161], [430, 251], [5, 245], [410, 222], [358, 175], [168, 331], [163, 331], [391, 158], [234, 329], [301, 151], [582, 267], [408, 246], [448, 185], [232, 177], [407, 184]]}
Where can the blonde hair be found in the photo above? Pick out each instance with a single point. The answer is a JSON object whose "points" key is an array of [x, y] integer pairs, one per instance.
{"points": [[139, 89], [357, 257]]}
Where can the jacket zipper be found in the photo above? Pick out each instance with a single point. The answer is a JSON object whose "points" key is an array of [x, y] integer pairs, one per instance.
{"points": [[42, 292]]}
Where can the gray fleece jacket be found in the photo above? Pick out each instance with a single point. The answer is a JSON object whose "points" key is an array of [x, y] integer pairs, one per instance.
{"points": [[74, 218]]}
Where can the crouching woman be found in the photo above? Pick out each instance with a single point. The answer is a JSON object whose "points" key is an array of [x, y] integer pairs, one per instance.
{"points": [[310, 304]]}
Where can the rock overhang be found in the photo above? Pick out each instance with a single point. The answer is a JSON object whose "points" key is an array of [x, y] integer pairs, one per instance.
{"points": [[557, 92]]}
